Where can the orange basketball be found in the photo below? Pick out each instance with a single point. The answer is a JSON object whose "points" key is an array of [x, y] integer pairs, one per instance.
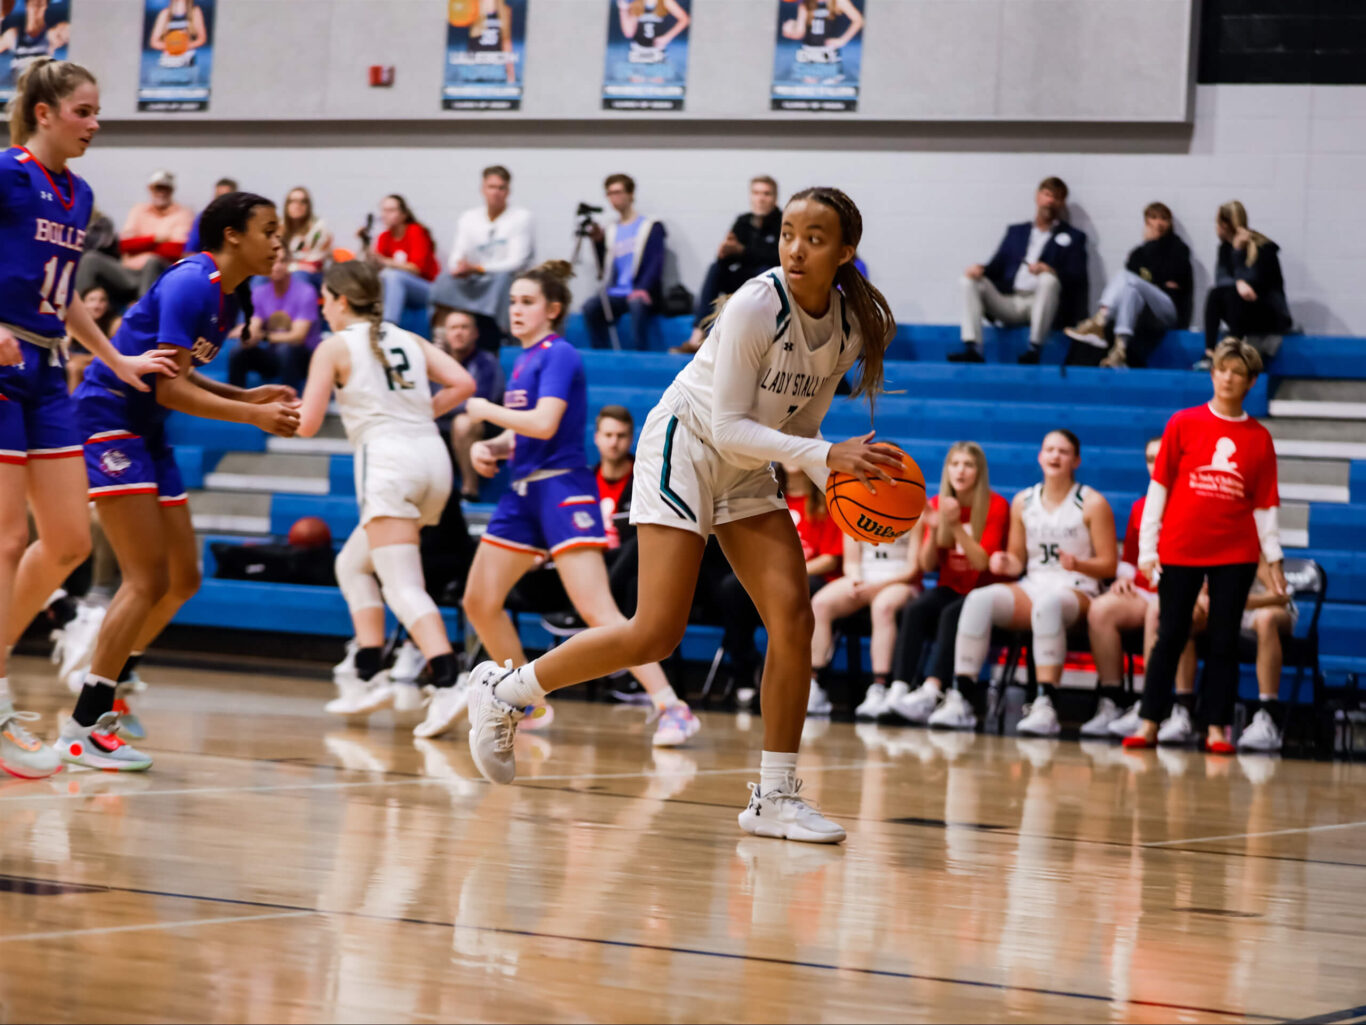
{"points": [[177, 42], [878, 518], [462, 12], [310, 532]]}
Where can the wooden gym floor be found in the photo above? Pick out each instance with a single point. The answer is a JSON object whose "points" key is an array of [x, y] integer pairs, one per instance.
{"points": [[277, 866]]}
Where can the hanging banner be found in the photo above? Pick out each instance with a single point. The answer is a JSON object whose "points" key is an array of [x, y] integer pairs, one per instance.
{"points": [[485, 54], [819, 55], [647, 54], [30, 29], [177, 55]]}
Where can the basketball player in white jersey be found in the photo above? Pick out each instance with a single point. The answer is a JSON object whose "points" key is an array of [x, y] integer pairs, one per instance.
{"points": [[880, 578], [1062, 538], [403, 480], [755, 393]]}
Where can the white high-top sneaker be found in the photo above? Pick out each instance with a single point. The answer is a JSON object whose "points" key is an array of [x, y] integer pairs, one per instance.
{"points": [[874, 701], [918, 705], [1040, 720], [1099, 724]]}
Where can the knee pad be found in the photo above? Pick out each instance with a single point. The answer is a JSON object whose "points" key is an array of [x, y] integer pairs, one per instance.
{"points": [[356, 574], [1052, 615], [400, 574], [982, 609]]}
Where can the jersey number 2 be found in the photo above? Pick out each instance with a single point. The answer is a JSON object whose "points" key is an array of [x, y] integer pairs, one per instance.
{"points": [[56, 292], [398, 370]]}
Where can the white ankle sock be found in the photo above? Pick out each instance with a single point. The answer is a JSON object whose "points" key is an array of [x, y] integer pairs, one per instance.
{"points": [[520, 687], [4, 690], [664, 699], [775, 769]]}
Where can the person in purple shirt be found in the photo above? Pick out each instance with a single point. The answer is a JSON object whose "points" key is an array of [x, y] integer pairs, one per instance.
{"points": [[284, 330], [552, 509], [460, 337]]}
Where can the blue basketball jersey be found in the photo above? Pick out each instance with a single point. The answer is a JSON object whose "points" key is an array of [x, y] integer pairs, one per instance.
{"points": [[43, 218], [550, 369], [185, 308]]}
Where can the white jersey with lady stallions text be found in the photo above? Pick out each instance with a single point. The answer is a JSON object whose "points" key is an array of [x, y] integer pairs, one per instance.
{"points": [[1052, 533], [763, 380], [386, 399]]}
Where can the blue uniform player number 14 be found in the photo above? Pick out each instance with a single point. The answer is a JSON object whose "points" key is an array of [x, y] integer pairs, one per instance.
{"points": [[55, 290]]}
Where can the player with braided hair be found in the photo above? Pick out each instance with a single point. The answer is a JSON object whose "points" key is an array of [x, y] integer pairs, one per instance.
{"points": [[403, 481], [755, 393]]}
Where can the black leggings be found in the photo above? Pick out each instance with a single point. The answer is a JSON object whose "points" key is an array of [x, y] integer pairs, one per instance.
{"points": [[919, 620], [1224, 304], [1177, 591]]}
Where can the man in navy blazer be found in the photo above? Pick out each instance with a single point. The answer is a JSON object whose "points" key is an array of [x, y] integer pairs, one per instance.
{"points": [[1037, 277]]}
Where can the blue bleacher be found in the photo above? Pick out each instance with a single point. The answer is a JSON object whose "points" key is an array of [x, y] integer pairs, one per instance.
{"points": [[997, 404]]}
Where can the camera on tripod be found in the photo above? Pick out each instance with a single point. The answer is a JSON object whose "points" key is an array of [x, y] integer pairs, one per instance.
{"points": [[585, 214]]}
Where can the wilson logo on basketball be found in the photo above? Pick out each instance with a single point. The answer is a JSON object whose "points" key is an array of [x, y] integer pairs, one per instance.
{"points": [[871, 526]]}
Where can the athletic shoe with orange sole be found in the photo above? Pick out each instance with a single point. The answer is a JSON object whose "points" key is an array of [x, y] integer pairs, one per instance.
{"points": [[99, 746], [21, 753]]}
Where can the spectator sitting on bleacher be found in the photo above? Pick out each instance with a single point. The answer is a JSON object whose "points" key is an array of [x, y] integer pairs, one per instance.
{"points": [[406, 256], [631, 255], [750, 247], [220, 188], [965, 524], [106, 318], [493, 242], [880, 578], [1036, 277], [1149, 297], [305, 236], [615, 473], [153, 238], [1249, 291], [459, 336], [284, 330], [1269, 616]]}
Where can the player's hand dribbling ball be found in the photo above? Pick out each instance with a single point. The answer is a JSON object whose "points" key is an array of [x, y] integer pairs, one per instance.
{"points": [[877, 517]]}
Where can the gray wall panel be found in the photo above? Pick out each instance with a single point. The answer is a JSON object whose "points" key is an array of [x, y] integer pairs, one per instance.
{"points": [[292, 60]]}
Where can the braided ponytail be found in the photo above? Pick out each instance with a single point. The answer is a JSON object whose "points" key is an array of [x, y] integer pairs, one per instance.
{"points": [[357, 282], [877, 323]]}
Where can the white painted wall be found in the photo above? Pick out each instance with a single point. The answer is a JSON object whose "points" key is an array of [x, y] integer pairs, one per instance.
{"points": [[934, 200]]}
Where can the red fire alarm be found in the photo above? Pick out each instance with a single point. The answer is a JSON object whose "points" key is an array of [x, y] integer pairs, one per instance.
{"points": [[381, 76]]}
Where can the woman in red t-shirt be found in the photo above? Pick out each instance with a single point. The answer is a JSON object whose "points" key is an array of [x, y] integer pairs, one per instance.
{"points": [[1210, 512], [406, 257], [965, 523], [822, 547]]}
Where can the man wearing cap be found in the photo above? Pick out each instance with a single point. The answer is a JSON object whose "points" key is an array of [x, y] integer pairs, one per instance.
{"points": [[153, 238]]}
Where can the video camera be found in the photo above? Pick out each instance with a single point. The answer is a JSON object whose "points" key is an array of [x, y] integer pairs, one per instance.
{"points": [[585, 214]]}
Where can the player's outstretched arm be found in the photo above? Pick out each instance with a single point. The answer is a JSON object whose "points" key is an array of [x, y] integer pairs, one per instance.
{"points": [[322, 375], [182, 394]]}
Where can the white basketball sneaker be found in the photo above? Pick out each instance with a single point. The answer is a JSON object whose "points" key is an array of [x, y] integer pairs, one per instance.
{"points": [[445, 708], [917, 706], [1261, 734], [1040, 720], [99, 746], [874, 701], [783, 814], [817, 701], [347, 666], [353, 695], [76, 646], [21, 753], [955, 713], [677, 726], [381, 693], [493, 724], [1127, 724], [1099, 724], [1177, 729], [408, 664], [410, 700]]}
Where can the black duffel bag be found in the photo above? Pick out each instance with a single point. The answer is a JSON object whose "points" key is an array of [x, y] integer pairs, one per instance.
{"points": [[274, 563]]}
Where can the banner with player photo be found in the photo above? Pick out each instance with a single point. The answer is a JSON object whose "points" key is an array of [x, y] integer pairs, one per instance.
{"points": [[819, 56], [30, 29], [177, 55], [647, 54], [485, 55]]}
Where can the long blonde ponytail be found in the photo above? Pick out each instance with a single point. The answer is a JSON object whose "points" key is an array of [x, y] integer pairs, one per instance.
{"points": [[357, 282], [44, 81]]}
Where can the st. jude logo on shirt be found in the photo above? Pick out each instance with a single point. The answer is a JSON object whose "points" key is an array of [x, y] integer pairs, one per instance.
{"points": [[1220, 477]]}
